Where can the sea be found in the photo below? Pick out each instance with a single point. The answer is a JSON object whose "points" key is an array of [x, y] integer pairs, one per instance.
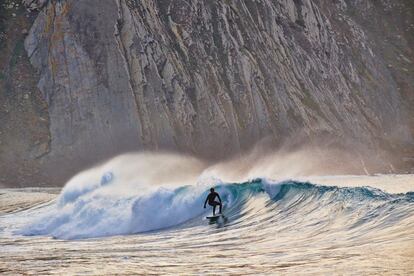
{"points": [[109, 220]]}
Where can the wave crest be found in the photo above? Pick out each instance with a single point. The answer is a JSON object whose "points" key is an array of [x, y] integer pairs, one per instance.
{"points": [[93, 211]]}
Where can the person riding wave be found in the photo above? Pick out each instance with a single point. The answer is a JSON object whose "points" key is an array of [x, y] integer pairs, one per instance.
{"points": [[211, 201]]}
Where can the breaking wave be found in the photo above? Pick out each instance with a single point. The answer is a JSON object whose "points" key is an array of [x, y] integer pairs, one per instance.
{"points": [[104, 208]]}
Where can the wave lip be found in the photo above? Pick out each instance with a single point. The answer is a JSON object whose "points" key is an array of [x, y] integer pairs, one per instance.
{"points": [[93, 211]]}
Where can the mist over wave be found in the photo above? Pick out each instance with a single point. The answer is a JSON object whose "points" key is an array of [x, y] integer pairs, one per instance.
{"points": [[96, 214], [145, 210], [143, 192], [146, 192]]}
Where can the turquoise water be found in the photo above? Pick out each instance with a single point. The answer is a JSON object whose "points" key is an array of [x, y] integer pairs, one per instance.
{"points": [[270, 227]]}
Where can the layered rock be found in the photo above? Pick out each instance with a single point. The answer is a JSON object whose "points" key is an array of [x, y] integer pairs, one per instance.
{"points": [[24, 119], [212, 78]]}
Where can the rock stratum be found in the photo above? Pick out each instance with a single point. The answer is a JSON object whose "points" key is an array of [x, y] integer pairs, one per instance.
{"points": [[83, 80]]}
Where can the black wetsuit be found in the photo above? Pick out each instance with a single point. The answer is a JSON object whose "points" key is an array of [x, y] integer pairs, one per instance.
{"points": [[211, 201], [211, 198]]}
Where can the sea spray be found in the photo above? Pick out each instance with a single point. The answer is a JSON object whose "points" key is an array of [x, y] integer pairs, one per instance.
{"points": [[96, 214]]}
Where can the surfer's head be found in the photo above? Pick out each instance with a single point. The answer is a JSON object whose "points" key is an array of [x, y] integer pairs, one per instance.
{"points": [[212, 190]]}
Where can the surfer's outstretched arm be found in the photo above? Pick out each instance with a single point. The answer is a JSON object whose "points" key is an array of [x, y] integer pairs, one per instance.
{"points": [[205, 202], [219, 198]]}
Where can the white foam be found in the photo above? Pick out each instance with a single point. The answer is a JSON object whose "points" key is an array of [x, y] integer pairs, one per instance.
{"points": [[133, 193], [96, 214], [123, 197]]}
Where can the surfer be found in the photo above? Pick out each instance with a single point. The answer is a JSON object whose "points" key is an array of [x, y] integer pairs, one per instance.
{"points": [[211, 201]]}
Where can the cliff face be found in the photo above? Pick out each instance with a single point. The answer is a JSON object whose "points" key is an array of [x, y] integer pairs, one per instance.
{"points": [[214, 77]]}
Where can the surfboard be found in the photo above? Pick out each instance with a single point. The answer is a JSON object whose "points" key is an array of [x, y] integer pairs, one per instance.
{"points": [[214, 217]]}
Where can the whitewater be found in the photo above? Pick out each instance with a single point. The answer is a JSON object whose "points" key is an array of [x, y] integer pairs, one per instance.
{"points": [[143, 214]]}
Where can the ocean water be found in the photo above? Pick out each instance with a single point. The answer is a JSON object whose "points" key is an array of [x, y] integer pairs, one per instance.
{"points": [[97, 224]]}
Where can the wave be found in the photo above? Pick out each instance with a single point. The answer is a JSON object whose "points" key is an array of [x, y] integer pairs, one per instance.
{"points": [[94, 210]]}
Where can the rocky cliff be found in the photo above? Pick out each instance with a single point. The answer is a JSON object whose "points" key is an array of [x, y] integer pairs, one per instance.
{"points": [[210, 78]]}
